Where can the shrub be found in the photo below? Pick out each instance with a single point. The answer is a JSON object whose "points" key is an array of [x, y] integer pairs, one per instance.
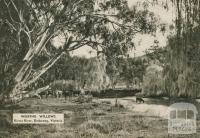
{"points": [[89, 133], [99, 112], [106, 102], [93, 125]]}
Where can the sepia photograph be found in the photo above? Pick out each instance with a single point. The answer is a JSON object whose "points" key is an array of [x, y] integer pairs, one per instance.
{"points": [[99, 68]]}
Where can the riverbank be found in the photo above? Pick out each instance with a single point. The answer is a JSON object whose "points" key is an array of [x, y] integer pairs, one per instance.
{"points": [[101, 118]]}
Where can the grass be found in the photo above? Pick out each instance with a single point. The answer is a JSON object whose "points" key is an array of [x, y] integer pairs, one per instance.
{"points": [[94, 119]]}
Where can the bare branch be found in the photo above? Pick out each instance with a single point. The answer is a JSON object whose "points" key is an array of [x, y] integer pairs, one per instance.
{"points": [[7, 5], [14, 6], [11, 25]]}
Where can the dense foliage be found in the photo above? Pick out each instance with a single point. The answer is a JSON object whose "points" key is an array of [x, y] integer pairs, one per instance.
{"points": [[36, 26], [182, 75]]}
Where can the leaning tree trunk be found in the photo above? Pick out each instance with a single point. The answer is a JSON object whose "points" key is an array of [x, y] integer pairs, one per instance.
{"points": [[38, 91], [26, 76], [31, 78]]}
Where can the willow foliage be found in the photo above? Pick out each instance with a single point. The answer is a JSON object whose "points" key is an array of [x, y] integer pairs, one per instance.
{"points": [[182, 77]]}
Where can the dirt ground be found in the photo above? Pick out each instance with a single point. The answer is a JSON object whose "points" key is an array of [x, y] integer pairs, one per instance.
{"points": [[101, 118]]}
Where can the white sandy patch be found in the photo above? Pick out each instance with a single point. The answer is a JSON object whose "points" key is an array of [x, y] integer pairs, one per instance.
{"points": [[148, 109], [152, 109]]}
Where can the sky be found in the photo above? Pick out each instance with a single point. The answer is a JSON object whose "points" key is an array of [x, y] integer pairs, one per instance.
{"points": [[142, 41]]}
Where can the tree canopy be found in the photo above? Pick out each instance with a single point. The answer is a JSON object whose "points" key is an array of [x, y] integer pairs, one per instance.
{"points": [[38, 25]]}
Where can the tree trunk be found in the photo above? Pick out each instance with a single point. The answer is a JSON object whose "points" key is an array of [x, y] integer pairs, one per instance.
{"points": [[38, 91], [22, 85], [33, 51]]}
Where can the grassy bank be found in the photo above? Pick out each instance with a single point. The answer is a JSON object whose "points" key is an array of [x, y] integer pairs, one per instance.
{"points": [[96, 119]]}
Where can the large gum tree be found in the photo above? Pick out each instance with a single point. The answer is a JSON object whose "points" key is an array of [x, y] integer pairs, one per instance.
{"points": [[37, 23]]}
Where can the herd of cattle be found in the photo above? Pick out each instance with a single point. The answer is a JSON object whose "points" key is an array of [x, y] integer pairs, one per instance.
{"points": [[58, 93], [69, 88], [41, 95], [65, 94], [64, 88]]}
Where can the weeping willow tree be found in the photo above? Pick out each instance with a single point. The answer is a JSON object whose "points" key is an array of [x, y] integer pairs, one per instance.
{"points": [[97, 78], [182, 71], [153, 82]]}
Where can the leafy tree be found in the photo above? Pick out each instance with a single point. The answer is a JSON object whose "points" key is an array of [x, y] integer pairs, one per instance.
{"points": [[129, 70], [157, 53], [181, 71], [11, 53], [38, 23], [153, 81]]}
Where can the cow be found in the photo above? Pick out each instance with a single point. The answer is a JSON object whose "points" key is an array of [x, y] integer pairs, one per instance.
{"points": [[58, 93], [139, 97], [45, 93], [65, 88], [66, 93]]}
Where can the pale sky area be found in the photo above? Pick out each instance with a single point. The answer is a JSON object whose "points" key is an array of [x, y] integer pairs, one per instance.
{"points": [[142, 41]]}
